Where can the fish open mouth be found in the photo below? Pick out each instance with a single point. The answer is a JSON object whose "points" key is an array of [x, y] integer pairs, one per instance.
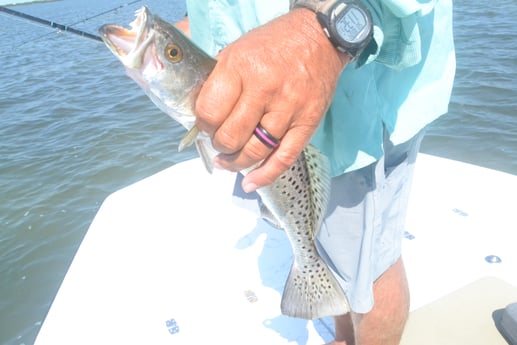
{"points": [[129, 45]]}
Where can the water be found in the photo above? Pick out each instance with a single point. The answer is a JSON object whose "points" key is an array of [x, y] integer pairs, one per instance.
{"points": [[481, 126], [74, 129]]}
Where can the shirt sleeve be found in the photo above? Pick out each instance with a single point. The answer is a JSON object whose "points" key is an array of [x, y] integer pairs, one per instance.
{"points": [[396, 34]]}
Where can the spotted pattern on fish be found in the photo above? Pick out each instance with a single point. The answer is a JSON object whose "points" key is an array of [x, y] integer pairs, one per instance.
{"points": [[298, 199]]}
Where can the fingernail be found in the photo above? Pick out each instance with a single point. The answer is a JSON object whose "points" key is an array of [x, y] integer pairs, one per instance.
{"points": [[249, 187]]}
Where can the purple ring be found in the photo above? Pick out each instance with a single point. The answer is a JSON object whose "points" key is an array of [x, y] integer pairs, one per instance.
{"points": [[266, 138]]}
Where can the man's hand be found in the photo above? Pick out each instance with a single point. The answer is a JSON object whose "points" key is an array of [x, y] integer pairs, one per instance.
{"points": [[282, 75]]}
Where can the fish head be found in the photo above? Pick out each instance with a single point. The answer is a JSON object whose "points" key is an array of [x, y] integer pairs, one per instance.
{"points": [[162, 61]]}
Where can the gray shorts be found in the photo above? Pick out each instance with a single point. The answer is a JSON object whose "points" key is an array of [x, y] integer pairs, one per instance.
{"points": [[362, 233], [361, 236]]}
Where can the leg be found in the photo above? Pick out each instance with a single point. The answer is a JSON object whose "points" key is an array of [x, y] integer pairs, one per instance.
{"points": [[385, 323], [344, 330]]}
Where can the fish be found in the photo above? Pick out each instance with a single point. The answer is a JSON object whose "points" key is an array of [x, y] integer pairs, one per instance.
{"points": [[171, 70]]}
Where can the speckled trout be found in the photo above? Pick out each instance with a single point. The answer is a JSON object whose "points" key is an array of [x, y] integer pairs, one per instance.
{"points": [[171, 69]]}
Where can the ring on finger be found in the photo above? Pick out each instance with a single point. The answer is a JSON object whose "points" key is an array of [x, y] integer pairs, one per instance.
{"points": [[265, 137]]}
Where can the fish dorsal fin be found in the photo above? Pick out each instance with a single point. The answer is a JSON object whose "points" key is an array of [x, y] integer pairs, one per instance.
{"points": [[318, 167]]}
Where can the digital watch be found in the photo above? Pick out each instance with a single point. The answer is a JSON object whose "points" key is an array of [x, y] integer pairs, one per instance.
{"points": [[347, 23]]}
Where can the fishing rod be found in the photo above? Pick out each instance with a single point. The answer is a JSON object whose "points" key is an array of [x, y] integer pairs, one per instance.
{"points": [[62, 27], [50, 23]]}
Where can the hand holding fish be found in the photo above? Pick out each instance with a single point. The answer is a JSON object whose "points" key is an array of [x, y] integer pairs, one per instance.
{"points": [[281, 76]]}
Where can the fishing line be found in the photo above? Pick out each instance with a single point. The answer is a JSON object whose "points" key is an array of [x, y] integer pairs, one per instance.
{"points": [[60, 27], [106, 12]]}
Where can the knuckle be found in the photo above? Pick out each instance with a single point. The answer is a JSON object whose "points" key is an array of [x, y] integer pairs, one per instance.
{"points": [[255, 151], [226, 143], [206, 119], [286, 159]]}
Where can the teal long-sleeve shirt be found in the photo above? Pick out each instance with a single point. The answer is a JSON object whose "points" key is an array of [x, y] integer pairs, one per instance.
{"points": [[403, 87]]}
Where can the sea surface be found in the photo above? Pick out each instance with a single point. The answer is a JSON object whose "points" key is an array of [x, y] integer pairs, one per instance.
{"points": [[74, 129]]}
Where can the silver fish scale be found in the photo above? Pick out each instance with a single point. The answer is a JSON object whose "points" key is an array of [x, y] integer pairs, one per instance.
{"points": [[306, 210], [300, 195], [318, 283]]}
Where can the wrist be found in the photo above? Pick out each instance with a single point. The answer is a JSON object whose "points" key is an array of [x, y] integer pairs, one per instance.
{"points": [[308, 24]]}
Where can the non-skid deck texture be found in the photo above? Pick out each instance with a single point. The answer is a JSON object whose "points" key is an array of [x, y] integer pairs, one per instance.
{"points": [[463, 317]]}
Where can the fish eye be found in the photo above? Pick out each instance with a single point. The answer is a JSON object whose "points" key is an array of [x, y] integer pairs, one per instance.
{"points": [[173, 52]]}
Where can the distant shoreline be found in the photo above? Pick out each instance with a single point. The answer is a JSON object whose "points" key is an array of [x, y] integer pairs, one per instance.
{"points": [[21, 2]]}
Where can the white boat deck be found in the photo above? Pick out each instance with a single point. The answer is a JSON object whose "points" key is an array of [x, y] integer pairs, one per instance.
{"points": [[170, 260]]}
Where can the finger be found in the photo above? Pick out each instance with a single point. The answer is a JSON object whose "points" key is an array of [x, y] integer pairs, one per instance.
{"points": [[265, 138], [216, 99], [279, 161], [238, 127]]}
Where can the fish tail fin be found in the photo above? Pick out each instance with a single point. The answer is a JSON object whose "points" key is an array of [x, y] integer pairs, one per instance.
{"points": [[313, 292]]}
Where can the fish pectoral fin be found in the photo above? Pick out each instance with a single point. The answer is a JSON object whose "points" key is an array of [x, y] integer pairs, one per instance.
{"points": [[189, 138], [203, 145], [313, 293]]}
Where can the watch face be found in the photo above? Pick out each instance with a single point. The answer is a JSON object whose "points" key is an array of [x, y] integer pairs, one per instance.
{"points": [[352, 24]]}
